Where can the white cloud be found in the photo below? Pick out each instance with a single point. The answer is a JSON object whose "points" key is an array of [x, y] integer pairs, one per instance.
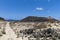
{"points": [[39, 8]]}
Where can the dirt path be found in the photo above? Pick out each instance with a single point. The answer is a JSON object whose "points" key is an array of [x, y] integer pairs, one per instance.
{"points": [[10, 35]]}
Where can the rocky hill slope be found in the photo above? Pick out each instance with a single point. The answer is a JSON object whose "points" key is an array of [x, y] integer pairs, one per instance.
{"points": [[38, 19]]}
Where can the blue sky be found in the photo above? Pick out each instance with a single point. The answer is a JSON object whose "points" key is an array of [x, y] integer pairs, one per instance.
{"points": [[18, 9]]}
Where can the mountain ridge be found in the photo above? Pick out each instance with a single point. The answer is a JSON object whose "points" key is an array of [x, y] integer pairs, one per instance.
{"points": [[37, 19]]}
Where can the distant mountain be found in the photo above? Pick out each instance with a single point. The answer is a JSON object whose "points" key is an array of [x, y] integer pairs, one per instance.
{"points": [[11, 20], [2, 19], [38, 19]]}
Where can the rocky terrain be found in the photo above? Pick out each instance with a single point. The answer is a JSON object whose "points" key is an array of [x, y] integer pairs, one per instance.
{"points": [[30, 28]]}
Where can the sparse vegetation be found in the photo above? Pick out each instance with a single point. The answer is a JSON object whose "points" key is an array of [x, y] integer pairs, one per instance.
{"points": [[42, 25]]}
